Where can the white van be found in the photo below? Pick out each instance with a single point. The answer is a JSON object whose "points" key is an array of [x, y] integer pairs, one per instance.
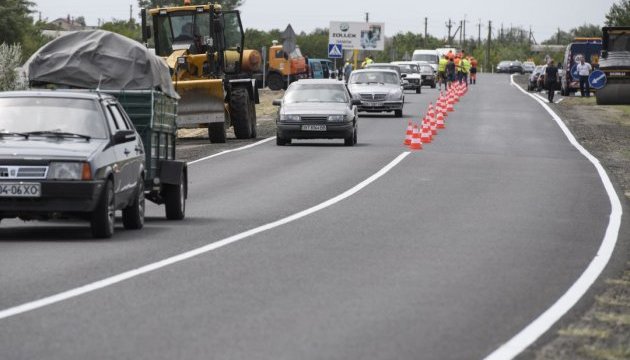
{"points": [[430, 57]]}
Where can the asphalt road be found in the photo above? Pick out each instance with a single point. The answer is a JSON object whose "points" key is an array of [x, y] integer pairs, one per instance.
{"points": [[446, 256]]}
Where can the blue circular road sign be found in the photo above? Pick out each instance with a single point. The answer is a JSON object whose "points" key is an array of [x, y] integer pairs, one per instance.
{"points": [[597, 79], [574, 73]]}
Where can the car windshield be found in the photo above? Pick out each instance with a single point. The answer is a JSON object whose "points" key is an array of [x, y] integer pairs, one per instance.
{"points": [[430, 58], [31, 114], [299, 93], [618, 42], [383, 77], [504, 63]]}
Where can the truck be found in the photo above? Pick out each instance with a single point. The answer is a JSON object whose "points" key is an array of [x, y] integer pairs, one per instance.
{"points": [[104, 64], [203, 48], [615, 64], [588, 48], [282, 68]]}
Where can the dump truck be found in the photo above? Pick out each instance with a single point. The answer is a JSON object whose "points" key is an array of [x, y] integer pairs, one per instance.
{"points": [[615, 64], [282, 68], [103, 62], [203, 47]]}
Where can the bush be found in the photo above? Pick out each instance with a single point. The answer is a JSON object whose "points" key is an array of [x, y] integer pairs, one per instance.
{"points": [[10, 78]]}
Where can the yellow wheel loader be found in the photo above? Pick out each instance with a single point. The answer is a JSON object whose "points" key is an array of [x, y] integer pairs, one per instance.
{"points": [[203, 47]]}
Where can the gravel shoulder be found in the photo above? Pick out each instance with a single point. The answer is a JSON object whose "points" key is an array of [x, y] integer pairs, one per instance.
{"points": [[601, 330]]}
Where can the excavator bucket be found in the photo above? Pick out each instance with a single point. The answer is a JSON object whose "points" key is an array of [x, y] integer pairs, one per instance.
{"points": [[202, 101]]}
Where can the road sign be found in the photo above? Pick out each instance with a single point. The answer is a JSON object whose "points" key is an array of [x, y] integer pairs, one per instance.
{"points": [[597, 79], [335, 51], [574, 73]]}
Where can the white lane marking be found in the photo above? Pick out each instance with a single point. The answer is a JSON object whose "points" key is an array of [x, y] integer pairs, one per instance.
{"points": [[540, 325], [20, 309], [559, 101], [233, 150]]}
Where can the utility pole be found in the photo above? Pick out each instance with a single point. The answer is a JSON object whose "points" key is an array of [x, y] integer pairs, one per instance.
{"points": [[487, 60], [367, 17], [130, 13], [558, 37], [464, 31], [479, 34], [449, 25], [426, 22], [461, 27]]}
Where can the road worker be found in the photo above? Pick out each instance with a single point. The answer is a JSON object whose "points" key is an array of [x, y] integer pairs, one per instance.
{"points": [[442, 71]]}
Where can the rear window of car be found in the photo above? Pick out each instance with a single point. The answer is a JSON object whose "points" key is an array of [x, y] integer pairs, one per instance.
{"points": [[298, 93], [384, 77], [27, 114]]}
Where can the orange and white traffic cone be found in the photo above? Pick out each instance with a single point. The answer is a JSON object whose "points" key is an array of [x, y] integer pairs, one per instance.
{"points": [[425, 137], [440, 121], [433, 124], [408, 134], [431, 111], [416, 142]]}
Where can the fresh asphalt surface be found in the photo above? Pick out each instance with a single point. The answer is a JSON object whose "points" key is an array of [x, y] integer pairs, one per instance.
{"points": [[446, 256]]}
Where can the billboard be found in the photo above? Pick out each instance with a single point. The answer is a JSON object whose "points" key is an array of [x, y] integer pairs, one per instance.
{"points": [[357, 35]]}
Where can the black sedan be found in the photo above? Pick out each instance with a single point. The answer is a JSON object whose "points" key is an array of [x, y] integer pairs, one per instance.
{"points": [[510, 67], [68, 154], [317, 109]]}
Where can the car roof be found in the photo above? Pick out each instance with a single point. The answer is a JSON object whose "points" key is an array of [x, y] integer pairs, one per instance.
{"points": [[375, 69], [67, 94], [320, 81]]}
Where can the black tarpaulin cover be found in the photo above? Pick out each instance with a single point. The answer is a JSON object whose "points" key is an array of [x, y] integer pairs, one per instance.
{"points": [[82, 58]]}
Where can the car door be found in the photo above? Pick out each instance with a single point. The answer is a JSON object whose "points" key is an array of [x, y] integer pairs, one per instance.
{"points": [[129, 156]]}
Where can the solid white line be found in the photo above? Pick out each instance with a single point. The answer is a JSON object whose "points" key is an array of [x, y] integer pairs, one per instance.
{"points": [[232, 150], [20, 309], [540, 325]]}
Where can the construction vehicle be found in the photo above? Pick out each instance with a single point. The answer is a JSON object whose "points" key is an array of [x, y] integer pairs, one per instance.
{"points": [[203, 47], [283, 69], [615, 64], [581, 47]]}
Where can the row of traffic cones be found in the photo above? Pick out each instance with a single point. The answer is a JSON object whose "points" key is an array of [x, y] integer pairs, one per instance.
{"points": [[434, 119]]}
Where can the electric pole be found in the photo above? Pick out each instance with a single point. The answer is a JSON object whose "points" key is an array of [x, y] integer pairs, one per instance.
{"points": [[464, 31], [487, 60], [449, 25], [367, 17], [426, 22], [479, 34]]}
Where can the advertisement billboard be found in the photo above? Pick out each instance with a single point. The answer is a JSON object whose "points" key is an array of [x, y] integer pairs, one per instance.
{"points": [[357, 35]]}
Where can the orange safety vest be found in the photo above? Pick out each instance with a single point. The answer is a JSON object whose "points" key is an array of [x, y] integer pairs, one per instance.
{"points": [[458, 66]]}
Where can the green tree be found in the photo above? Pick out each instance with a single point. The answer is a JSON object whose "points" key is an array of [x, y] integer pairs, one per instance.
{"points": [[128, 28], [227, 4], [10, 59], [619, 14], [14, 20]]}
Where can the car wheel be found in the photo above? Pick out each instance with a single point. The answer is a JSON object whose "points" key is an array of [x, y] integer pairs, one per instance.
{"points": [[419, 90], [275, 81], [356, 132], [240, 113], [103, 216], [350, 140], [398, 113], [217, 133], [433, 85], [281, 141], [175, 201], [133, 215]]}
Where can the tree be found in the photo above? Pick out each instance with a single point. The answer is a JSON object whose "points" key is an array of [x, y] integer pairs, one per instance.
{"points": [[587, 30], [227, 4], [14, 20], [128, 28], [619, 14], [10, 57]]}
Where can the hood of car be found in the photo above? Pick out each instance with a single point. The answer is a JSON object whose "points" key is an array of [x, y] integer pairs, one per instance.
{"points": [[49, 148], [320, 108]]}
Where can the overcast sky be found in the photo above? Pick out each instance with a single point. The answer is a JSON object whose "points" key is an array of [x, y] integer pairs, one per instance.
{"points": [[544, 16]]}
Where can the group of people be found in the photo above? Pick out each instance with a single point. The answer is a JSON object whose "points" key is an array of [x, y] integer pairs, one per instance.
{"points": [[551, 78], [456, 67]]}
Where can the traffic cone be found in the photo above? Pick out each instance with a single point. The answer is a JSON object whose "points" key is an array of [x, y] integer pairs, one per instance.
{"points": [[433, 124], [416, 142], [425, 137], [431, 111], [450, 107], [408, 134], [440, 121]]}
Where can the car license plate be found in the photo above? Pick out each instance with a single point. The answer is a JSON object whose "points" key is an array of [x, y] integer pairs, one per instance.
{"points": [[20, 190], [313, 127], [372, 104]]}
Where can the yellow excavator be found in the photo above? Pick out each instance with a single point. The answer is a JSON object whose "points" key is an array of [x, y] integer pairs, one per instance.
{"points": [[203, 47]]}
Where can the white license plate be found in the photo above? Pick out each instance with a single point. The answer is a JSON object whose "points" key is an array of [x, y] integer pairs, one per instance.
{"points": [[313, 127], [20, 190], [372, 104]]}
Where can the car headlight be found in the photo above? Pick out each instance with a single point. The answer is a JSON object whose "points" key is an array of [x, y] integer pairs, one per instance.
{"points": [[289, 117], [69, 171], [394, 95], [336, 117]]}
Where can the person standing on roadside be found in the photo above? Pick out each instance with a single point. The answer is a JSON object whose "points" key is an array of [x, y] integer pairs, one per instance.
{"points": [[347, 70], [442, 71], [584, 70], [451, 71], [473, 70], [551, 80]]}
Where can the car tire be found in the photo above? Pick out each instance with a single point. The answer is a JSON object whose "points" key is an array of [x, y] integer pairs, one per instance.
{"points": [[356, 135], [217, 133], [433, 85], [133, 215], [240, 113], [350, 140], [175, 200], [419, 90], [398, 113], [103, 217], [275, 82], [281, 141]]}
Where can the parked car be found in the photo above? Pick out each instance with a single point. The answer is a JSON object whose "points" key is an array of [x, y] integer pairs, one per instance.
{"points": [[70, 155], [385, 66], [540, 86], [427, 56], [316, 71], [529, 66], [532, 84], [378, 89], [510, 67], [427, 75], [317, 109], [413, 78]]}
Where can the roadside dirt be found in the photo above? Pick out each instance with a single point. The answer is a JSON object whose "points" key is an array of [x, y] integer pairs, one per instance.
{"points": [[603, 331]]}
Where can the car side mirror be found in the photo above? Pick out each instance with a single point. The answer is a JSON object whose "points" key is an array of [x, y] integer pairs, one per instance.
{"points": [[124, 136], [355, 102], [276, 102], [403, 75]]}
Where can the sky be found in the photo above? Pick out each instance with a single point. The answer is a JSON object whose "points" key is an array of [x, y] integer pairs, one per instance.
{"points": [[544, 16]]}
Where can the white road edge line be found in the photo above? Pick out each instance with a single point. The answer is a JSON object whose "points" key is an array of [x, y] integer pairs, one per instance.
{"points": [[233, 150], [20, 309], [540, 325]]}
